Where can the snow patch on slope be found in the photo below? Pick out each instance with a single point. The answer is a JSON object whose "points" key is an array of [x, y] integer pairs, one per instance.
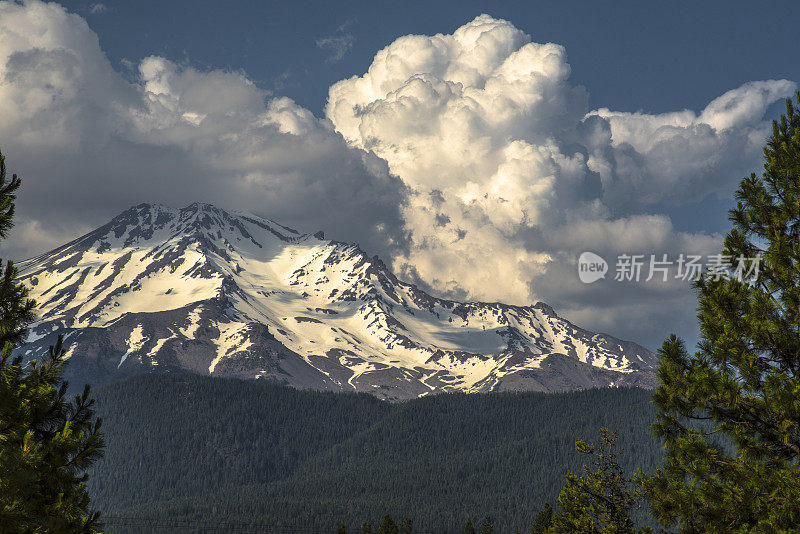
{"points": [[135, 343]]}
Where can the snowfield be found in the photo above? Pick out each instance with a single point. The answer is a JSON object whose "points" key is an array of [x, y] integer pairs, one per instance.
{"points": [[226, 293]]}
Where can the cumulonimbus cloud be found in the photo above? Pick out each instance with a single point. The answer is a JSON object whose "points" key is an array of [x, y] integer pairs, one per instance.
{"points": [[512, 175], [469, 160]]}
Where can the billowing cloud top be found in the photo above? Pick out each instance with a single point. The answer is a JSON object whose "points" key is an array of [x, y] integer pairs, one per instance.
{"points": [[468, 160], [512, 176]]}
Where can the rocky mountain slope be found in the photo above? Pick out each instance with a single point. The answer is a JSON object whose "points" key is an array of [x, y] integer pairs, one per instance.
{"points": [[225, 293]]}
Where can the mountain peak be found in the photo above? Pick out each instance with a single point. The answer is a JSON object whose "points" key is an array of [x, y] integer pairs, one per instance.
{"points": [[207, 290]]}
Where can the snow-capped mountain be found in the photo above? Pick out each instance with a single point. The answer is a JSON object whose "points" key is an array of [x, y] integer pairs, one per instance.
{"points": [[230, 294]]}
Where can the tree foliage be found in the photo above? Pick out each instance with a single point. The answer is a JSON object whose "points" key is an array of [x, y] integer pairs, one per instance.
{"points": [[230, 450], [388, 526], [730, 412], [47, 442], [543, 520], [601, 499], [16, 309]]}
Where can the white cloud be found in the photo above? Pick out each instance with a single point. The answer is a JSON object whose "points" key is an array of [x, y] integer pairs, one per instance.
{"points": [[513, 176], [338, 45], [681, 156], [89, 144]]}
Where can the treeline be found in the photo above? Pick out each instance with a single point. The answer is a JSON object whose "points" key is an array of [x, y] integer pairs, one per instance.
{"points": [[197, 449]]}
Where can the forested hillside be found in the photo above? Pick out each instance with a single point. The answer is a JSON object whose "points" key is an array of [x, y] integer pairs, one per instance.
{"points": [[196, 450]]}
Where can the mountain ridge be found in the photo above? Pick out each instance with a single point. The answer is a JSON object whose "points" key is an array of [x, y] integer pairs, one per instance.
{"points": [[227, 293]]}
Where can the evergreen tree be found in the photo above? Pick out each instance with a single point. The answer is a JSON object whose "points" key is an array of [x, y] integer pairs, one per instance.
{"points": [[730, 413], [469, 528], [487, 526], [46, 441], [315, 483], [408, 526], [340, 528], [601, 500], [543, 520], [366, 528], [388, 526], [16, 309]]}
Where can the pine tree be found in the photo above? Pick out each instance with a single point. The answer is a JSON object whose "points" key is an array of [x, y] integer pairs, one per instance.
{"points": [[46, 441], [469, 528], [340, 528], [366, 528], [408, 526], [543, 520], [487, 526], [16, 309], [388, 526], [730, 413], [602, 499]]}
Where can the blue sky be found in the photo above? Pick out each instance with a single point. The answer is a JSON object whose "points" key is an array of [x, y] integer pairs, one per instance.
{"points": [[632, 55], [479, 168]]}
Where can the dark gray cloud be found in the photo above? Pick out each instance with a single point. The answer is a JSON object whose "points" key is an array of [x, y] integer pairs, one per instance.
{"points": [[89, 144]]}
